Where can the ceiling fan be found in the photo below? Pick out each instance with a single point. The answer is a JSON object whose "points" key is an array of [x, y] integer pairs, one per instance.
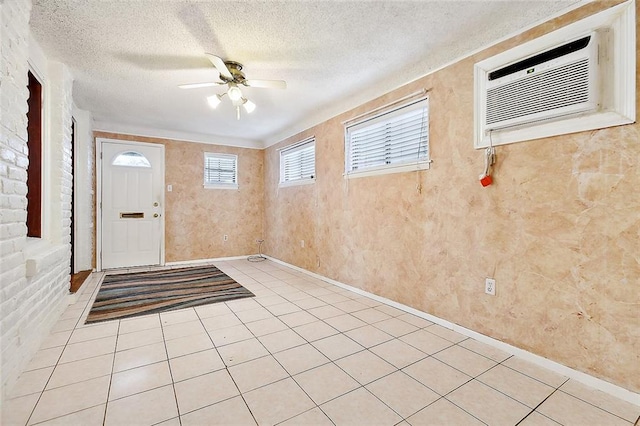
{"points": [[231, 74]]}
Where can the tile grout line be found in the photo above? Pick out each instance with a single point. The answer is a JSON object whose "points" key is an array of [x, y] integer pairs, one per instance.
{"points": [[53, 371], [587, 402], [301, 288], [72, 330], [368, 349], [306, 411], [45, 385], [272, 355], [593, 405], [537, 406], [166, 351], [331, 361], [54, 367], [497, 363], [454, 343], [113, 364], [290, 376], [226, 368], [461, 408], [444, 396], [475, 378], [88, 309]]}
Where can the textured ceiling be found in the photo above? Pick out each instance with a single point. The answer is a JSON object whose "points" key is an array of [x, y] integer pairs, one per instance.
{"points": [[128, 57]]}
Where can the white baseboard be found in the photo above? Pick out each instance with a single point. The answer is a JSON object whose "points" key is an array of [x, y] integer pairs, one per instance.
{"points": [[594, 382], [199, 261]]}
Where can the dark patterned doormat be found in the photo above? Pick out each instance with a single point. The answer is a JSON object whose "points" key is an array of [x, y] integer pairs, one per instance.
{"points": [[142, 293]]}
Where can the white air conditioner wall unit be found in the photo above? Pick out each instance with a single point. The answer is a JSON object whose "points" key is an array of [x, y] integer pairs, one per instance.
{"points": [[552, 84], [581, 77]]}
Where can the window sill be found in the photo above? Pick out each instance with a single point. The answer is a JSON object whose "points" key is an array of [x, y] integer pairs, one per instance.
{"points": [[389, 170], [220, 186], [40, 255], [297, 183]]}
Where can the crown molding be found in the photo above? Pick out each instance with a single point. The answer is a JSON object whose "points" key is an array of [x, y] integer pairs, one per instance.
{"points": [[134, 130]]}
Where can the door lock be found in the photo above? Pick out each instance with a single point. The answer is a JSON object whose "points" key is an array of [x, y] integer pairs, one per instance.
{"points": [[156, 215], [155, 204]]}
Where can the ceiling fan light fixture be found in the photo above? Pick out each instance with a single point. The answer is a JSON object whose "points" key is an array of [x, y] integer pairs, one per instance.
{"points": [[234, 93], [214, 100], [249, 106], [231, 75]]}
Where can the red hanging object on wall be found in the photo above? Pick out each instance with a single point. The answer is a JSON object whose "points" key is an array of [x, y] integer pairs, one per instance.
{"points": [[489, 160], [486, 180]]}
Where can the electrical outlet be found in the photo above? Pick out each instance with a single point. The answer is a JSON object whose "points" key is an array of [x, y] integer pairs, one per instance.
{"points": [[302, 243], [490, 286], [225, 238]]}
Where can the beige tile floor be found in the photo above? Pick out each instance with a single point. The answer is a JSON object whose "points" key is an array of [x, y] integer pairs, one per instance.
{"points": [[302, 352]]}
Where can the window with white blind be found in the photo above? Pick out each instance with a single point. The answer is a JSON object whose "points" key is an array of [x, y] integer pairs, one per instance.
{"points": [[220, 171], [298, 163], [396, 140]]}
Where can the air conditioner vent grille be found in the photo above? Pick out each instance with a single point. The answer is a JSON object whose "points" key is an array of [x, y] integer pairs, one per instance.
{"points": [[556, 88]]}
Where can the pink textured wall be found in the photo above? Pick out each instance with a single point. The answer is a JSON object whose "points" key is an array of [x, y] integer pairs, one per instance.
{"points": [[559, 230], [196, 219]]}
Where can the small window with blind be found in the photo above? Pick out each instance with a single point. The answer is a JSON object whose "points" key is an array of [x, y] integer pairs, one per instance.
{"points": [[395, 140], [298, 163], [220, 171]]}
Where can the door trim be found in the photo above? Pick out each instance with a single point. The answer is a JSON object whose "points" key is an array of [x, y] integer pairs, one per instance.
{"points": [[74, 194], [99, 142]]}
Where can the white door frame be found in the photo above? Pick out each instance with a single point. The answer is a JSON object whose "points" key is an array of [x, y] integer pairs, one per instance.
{"points": [[99, 142], [74, 202]]}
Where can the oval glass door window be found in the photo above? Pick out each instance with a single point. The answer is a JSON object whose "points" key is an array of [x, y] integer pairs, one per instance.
{"points": [[131, 159]]}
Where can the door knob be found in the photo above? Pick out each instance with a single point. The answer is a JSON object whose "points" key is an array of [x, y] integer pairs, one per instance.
{"points": [[156, 215], [155, 204]]}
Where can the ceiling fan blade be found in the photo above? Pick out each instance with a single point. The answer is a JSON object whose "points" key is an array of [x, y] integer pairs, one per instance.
{"points": [[267, 84], [198, 85], [220, 66]]}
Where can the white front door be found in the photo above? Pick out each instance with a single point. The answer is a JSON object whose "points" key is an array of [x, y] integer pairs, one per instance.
{"points": [[132, 204]]}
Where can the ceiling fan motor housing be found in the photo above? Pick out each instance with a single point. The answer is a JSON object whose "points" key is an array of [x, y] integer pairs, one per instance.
{"points": [[235, 68]]}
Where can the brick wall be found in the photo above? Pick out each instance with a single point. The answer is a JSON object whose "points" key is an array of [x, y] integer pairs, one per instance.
{"points": [[60, 107], [34, 273]]}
